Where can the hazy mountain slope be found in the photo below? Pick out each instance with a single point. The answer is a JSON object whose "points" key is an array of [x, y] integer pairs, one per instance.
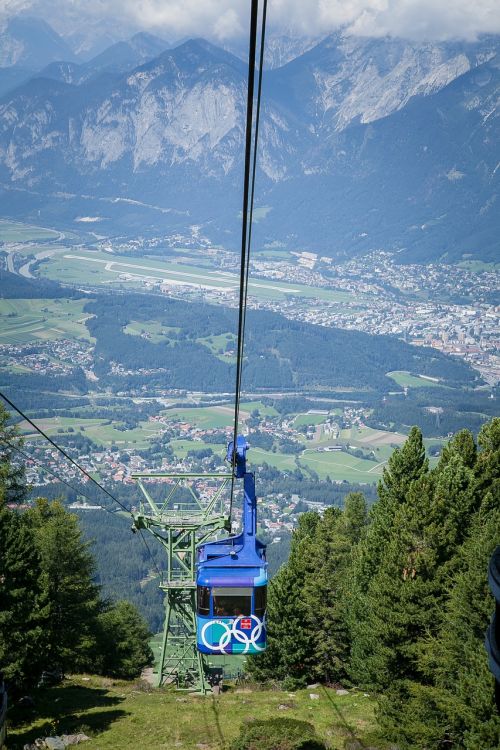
{"points": [[12, 77], [31, 43], [362, 145], [126, 55], [119, 58], [424, 180], [281, 48], [356, 79]]}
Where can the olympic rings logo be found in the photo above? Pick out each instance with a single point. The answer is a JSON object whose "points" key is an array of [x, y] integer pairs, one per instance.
{"points": [[230, 631]]}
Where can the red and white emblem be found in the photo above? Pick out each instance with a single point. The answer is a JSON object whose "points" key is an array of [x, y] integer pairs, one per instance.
{"points": [[246, 623]]}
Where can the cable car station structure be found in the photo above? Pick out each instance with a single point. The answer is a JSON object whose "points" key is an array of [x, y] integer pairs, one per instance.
{"points": [[232, 569], [180, 527]]}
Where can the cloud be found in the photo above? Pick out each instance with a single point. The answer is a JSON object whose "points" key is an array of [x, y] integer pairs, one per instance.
{"points": [[13, 7], [429, 19], [223, 19], [227, 19]]}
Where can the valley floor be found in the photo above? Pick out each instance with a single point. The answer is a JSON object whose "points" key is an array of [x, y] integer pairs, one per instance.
{"points": [[125, 715]]}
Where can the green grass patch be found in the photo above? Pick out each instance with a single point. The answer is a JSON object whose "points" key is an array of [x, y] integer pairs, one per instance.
{"points": [[11, 231], [477, 266], [340, 466], [367, 437], [208, 417], [219, 343], [259, 213], [98, 430], [309, 419], [265, 411], [182, 447], [126, 715], [26, 320], [152, 328], [406, 379], [281, 461]]}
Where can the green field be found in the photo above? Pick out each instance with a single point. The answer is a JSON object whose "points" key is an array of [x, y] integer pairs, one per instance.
{"points": [[216, 417], [478, 266], [24, 320], [157, 332], [309, 419], [366, 437], [208, 417], [11, 231], [128, 715], [218, 345], [182, 447], [281, 461], [98, 430], [265, 411], [259, 213], [270, 254], [340, 466], [406, 379]]}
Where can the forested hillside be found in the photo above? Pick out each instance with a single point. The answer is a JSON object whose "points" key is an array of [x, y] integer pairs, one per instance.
{"points": [[53, 618], [391, 599], [327, 357], [396, 601]]}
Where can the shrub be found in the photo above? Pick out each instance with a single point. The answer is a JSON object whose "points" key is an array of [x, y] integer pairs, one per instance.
{"points": [[278, 734]]}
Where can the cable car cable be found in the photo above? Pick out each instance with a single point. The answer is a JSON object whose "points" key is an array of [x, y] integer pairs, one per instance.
{"points": [[78, 492], [56, 476], [247, 214], [244, 224], [62, 451], [254, 171]]}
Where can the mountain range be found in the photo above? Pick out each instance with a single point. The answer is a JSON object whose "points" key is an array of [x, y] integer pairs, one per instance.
{"points": [[365, 143]]}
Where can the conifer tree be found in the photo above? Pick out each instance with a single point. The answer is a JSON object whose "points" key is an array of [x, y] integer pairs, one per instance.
{"points": [[327, 591], [463, 444], [123, 642], [329, 551], [290, 651], [21, 635], [412, 584], [405, 466], [71, 599], [12, 475], [355, 517], [455, 706]]}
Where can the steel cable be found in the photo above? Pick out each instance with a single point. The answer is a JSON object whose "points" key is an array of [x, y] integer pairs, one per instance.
{"points": [[248, 205]]}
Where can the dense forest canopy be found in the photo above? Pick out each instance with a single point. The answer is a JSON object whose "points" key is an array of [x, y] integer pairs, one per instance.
{"points": [[396, 600], [326, 357]]}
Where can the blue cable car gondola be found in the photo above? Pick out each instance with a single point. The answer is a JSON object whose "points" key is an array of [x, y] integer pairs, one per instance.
{"points": [[232, 580]]}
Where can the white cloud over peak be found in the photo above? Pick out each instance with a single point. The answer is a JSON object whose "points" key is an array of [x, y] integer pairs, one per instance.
{"points": [[226, 19]]}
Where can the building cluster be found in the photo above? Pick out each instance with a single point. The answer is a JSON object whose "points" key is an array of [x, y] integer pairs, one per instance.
{"points": [[451, 308], [119, 463], [59, 357]]}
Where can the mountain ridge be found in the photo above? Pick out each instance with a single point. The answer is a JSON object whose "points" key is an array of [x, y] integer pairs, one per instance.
{"points": [[170, 131]]}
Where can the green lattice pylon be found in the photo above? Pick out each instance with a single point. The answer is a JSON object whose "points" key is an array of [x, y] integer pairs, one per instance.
{"points": [[180, 527]]}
